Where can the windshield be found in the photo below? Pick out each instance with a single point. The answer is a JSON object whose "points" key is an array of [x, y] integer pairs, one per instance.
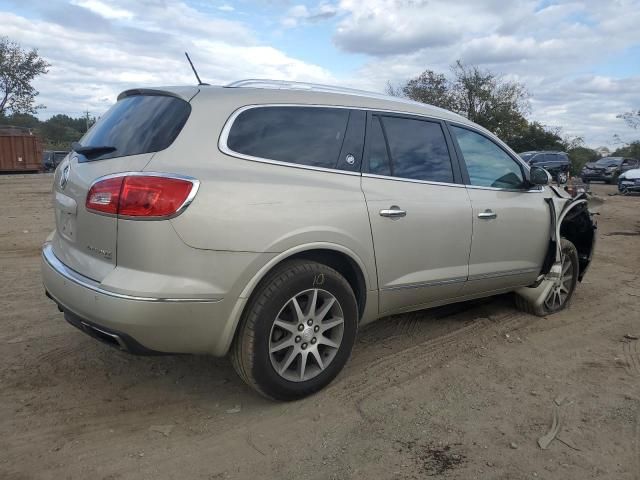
{"points": [[135, 125], [608, 162], [526, 156]]}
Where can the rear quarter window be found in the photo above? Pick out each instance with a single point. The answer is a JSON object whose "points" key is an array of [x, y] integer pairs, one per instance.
{"points": [[311, 136], [138, 124]]}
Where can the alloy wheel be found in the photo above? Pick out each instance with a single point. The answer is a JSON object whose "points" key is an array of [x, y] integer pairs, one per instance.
{"points": [[306, 335], [562, 286]]}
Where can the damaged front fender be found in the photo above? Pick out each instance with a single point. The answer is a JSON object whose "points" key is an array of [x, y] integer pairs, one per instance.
{"points": [[570, 218]]}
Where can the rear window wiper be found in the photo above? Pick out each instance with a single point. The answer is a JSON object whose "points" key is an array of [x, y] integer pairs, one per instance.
{"points": [[92, 149]]}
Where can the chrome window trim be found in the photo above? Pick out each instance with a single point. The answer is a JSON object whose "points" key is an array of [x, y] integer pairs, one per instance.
{"points": [[192, 194], [411, 180], [538, 189], [224, 134], [224, 148], [50, 258], [224, 137]]}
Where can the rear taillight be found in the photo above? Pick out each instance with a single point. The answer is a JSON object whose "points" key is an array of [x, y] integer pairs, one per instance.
{"points": [[144, 196], [104, 196]]}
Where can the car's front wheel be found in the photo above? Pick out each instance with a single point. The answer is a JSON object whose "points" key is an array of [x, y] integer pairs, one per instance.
{"points": [[562, 287], [297, 331]]}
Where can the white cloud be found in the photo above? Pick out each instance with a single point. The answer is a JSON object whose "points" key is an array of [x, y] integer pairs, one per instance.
{"points": [[300, 15], [90, 66], [104, 9], [98, 48], [552, 50]]}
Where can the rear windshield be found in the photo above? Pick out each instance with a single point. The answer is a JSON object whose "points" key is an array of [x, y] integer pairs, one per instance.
{"points": [[135, 125], [526, 156]]}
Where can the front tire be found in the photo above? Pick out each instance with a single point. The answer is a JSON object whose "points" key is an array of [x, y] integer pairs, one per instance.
{"points": [[297, 331], [562, 291]]}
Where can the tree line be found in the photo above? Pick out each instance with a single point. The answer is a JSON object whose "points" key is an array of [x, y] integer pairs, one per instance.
{"points": [[487, 99], [55, 133], [499, 105]]}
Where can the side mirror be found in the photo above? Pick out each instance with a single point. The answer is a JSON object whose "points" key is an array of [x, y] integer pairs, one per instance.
{"points": [[539, 176]]}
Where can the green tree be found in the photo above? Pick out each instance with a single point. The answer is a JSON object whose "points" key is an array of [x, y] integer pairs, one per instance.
{"points": [[480, 95], [536, 136], [18, 69], [429, 87], [580, 156], [631, 150]]}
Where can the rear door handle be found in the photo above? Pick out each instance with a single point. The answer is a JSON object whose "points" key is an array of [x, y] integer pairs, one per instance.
{"points": [[488, 214], [393, 211]]}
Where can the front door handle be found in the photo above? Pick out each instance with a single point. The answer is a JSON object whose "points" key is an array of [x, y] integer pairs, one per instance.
{"points": [[488, 214], [393, 211]]}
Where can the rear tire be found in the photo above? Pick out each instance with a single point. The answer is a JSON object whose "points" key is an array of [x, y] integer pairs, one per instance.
{"points": [[297, 331], [560, 297]]}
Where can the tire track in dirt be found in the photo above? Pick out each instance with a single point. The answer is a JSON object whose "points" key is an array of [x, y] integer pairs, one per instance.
{"points": [[631, 356], [413, 360]]}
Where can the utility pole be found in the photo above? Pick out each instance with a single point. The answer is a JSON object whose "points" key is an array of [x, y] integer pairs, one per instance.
{"points": [[87, 119]]}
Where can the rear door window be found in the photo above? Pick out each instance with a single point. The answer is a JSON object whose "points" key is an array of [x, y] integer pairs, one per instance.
{"points": [[418, 149], [137, 124], [311, 136]]}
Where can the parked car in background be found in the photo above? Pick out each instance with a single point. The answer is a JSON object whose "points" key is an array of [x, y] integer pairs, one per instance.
{"points": [[556, 163], [629, 181], [52, 158], [607, 169], [259, 220]]}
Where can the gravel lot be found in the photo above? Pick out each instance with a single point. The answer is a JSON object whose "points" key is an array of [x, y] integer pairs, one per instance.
{"points": [[457, 392]]}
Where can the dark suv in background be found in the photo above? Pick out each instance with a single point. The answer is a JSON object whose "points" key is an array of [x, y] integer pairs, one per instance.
{"points": [[556, 163], [52, 158], [608, 169]]}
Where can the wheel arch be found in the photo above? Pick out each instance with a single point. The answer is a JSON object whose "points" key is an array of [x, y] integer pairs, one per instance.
{"points": [[577, 226], [338, 257]]}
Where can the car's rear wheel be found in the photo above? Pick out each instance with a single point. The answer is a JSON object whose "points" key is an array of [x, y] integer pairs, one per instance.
{"points": [[562, 288], [297, 331]]}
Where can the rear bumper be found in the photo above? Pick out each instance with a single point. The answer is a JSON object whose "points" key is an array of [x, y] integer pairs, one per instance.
{"points": [[142, 325]]}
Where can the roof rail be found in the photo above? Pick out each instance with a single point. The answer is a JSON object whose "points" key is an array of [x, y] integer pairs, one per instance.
{"points": [[316, 87]]}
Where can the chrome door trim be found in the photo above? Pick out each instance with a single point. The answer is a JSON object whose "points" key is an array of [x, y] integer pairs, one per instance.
{"points": [[507, 273], [487, 215], [434, 283], [50, 258]]}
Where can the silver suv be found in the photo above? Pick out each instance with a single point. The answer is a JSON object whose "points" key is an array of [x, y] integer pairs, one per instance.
{"points": [[270, 220]]}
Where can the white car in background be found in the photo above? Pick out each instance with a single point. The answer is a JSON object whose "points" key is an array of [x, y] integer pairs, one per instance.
{"points": [[629, 181]]}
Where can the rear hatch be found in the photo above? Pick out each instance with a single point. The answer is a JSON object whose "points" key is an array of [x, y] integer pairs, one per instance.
{"points": [[126, 137]]}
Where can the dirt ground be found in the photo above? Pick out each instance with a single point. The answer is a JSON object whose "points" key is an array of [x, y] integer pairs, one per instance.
{"points": [[458, 392]]}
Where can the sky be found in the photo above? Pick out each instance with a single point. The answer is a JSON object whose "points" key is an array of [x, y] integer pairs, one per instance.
{"points": [[579, 60]]}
